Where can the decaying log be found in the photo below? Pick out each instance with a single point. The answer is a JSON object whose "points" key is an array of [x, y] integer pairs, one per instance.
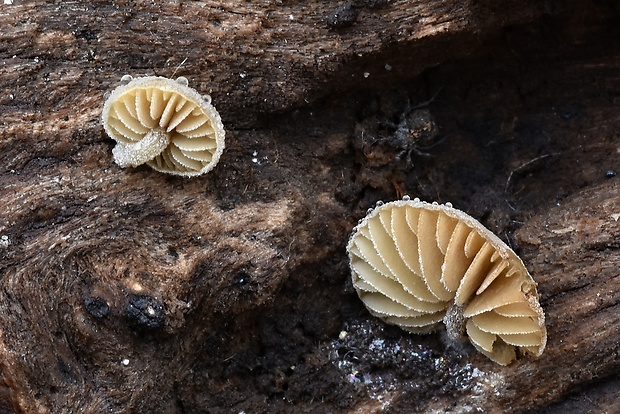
{"points": [[132, 291]]}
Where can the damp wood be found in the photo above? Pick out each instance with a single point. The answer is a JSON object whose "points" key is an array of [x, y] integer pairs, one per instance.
{"points": [[127, 290]]}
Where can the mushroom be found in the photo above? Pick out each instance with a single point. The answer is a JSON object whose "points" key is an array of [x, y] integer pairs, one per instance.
{"points": [[416, 264], [165, 124]]}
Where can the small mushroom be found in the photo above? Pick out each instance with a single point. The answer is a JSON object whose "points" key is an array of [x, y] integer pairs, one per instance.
{"points": [[416, 264], [165, 124]]}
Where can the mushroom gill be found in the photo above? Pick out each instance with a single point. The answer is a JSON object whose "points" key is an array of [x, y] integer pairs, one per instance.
{"points": [[165, 124], [416, 264]]}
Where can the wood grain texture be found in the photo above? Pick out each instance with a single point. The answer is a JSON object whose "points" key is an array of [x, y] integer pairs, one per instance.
{"points": [[130, 291]]}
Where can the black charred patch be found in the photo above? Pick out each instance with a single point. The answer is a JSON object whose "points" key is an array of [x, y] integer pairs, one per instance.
{"points": [[145, 312], [86, 34], [342, 16], [97, 307]]}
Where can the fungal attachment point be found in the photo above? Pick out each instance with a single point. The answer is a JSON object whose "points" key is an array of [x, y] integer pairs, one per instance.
{"points": [[416, 264], [165, 124]]}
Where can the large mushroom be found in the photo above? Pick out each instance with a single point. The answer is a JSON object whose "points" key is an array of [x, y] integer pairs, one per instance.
{"points": [[416, 264]]}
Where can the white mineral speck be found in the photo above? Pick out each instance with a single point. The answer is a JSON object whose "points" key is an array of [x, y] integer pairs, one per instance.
{"points": [[366, 74], [125, 362], [255, 159], [376, 344]]}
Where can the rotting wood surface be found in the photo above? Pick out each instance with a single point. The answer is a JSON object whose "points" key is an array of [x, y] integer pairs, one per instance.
{"points": [[131, 291]]}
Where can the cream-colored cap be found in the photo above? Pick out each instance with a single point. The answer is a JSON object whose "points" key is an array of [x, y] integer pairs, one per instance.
{"points": [[165, 124], [416, 264]]}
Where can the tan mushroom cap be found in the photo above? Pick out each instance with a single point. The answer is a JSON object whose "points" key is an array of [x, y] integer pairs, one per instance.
{"points": [[165, 124], [416, 264]]}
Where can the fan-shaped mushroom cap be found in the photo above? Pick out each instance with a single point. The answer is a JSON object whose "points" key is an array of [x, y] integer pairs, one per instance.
{"points": [[165, 124], [416, 264]]}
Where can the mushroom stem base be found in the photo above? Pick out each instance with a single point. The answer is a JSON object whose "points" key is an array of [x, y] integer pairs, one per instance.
{"points": [[149, 147], [455, 322]]}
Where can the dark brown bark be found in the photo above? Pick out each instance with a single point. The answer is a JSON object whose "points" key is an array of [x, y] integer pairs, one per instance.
{"points": [[131, 291]]}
